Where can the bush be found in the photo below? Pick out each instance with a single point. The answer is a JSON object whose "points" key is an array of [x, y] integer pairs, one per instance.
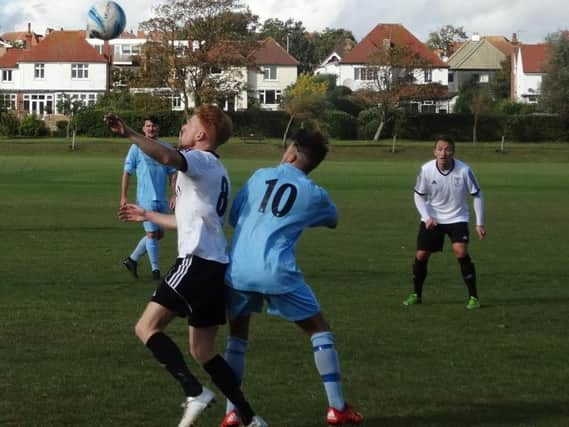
{"points": [[30, 125], [271, 124], [9, 124], [341, 125]]}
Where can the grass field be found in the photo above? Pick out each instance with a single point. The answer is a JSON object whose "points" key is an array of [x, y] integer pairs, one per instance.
{"points": [[69, 357]]}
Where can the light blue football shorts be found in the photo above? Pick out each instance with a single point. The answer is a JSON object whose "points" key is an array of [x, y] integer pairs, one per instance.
{"points": [[297, 305], [155, 206]]}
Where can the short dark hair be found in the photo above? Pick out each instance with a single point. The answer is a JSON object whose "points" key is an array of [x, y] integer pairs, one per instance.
{"points": [[445, 138], [151, 118], [313, 146]]}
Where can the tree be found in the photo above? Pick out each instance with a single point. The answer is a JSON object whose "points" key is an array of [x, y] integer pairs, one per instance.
{"points": [[293, 37], [555, 84], [391, 72], [326, 41], [304, 100], [500, 86], [475, 99], [445, 38], [204, 44]]}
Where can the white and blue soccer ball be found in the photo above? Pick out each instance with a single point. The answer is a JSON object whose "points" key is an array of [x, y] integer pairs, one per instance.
{"points": [[106, 20]]}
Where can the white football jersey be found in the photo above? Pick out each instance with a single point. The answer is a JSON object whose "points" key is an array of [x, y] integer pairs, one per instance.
{"points": [[446, 193], [202, 196]]}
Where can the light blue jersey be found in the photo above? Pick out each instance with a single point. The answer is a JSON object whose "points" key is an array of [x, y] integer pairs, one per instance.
{"points": [[269, 214], [151, 176]]}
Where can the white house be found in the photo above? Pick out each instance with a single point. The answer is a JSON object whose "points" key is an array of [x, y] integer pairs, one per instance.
{"points": [[63, 64], [358, 70], [528, 69]]}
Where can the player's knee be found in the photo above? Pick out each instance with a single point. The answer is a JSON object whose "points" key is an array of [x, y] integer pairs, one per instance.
{"points": [[201, 353], [157, 235], [422, 256], [141, 331]]}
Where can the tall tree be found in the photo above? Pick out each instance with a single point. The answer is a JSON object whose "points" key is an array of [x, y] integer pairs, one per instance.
{"points": [[555, 84], [205, 44], [294, 38], [500, 86], [445, 38], [326, 41]]}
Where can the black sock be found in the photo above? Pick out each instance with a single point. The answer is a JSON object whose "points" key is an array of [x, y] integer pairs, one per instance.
{"points": [[468, 275], [419, 276], [224, 378], [168, 354]]}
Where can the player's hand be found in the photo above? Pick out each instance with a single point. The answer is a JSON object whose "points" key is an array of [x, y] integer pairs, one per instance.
{"points": [[132, 213], [430, 224], [115, 124], [124, 201], [481, 231]]}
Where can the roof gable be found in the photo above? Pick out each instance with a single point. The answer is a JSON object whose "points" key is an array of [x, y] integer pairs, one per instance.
{"points": [[270, 52], [398, 35], [477, 55], [63, 46], [10, 58], [534, 57]]}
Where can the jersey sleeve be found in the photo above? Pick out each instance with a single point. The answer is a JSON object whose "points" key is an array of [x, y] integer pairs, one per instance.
{"points": [[472, 182], [131, 160], [421, 183], [195, 162], [326, 214]]}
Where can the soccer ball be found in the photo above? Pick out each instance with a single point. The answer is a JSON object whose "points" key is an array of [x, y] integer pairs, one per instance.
{"points": [[106, 20]]}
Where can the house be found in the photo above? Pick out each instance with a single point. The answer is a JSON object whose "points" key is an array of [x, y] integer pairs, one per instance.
{"points": [[35, 79], [359, 69], [331, 64], [272, 69], [477, 61], [22, 39], [528, 69]]}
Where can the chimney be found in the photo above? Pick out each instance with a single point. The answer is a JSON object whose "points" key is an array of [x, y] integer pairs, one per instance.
{"points": [[29, 27], [514, 38], [28, 36]]}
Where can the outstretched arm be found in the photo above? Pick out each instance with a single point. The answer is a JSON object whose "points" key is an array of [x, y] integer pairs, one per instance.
{"points": [[134, 213], [159, 152]]}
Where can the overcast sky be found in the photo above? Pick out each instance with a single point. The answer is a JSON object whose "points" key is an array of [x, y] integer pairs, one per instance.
{"points": [[531, 20]]}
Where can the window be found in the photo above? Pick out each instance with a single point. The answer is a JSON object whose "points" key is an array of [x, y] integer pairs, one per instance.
{"points": [[450, 77], [362, 73], [428, 76], [39, 71], [176, 102], [215, 70], [269, 96], [428, 107], [6, 75], [484, 78], [79, 71], [270, 72], [8, 101]]}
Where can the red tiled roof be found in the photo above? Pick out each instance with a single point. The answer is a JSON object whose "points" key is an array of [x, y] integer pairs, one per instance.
{"points": [[21, 36], [502, 43], [534, 57], [10, 58], [399, 36], [63, 46], [270, 52]]}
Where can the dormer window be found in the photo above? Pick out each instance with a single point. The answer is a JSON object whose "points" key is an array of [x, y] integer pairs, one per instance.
{"points": [[39, 71]]}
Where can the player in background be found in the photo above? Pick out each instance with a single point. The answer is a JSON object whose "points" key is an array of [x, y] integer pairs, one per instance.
{"points": [[151, 182], [194, 287], [269, 214], [441, 194]]}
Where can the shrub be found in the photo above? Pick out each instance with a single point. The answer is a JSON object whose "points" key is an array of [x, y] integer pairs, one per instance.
{"points": [[341, 125], [9, 124], [30, 125]]}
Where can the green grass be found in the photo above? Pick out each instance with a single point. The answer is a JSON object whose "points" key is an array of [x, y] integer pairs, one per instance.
{"points": [[68, 355]]}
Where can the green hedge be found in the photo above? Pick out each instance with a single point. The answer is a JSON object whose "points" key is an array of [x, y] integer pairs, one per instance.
{"points": [[341, 125]]}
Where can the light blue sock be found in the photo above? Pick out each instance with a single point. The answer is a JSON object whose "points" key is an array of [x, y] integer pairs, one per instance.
{"points": [[235, 357], [328, 366], [153, 253], [139, 250]]}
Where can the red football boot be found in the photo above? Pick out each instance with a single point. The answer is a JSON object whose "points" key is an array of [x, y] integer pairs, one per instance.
{"points": [[347, 416], [231, 420]]}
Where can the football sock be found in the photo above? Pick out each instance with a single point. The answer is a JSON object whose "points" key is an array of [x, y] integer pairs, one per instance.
{"points": [[225, 379], [153, 252], [169, 355], [419, 276], [235, 358], [139, 250], [328, 366], [468, 275]]}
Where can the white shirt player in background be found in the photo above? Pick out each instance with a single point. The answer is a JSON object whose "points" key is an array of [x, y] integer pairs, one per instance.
{"points": [[441, 193], [194, 287]]}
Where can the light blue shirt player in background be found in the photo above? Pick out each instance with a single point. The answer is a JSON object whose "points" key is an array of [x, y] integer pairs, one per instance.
{"points": [[152, 180], [269, 214]]}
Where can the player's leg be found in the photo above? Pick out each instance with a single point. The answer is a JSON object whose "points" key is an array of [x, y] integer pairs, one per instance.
{"points": [[150, 330], [202, 347], [153, 251], [459, 236], [131, 262], [328, 365]]}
